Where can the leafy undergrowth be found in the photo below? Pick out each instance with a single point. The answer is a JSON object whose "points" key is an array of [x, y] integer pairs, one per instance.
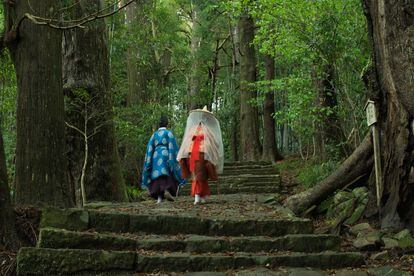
{"points": [[307, 173]]}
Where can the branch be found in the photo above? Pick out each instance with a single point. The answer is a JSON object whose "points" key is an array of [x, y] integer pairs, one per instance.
{"points": [[75, 128], [53, 23]]}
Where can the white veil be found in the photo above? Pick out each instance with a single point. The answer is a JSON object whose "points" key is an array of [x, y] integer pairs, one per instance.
{"points": [[213, 143]]}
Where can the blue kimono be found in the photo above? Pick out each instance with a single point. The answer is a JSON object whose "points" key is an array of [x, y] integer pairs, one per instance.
{"points": [[161, 158]]}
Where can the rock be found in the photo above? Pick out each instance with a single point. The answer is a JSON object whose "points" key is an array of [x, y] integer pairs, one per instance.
{"points": [[383, 255], [370, 241], [342, 196], [360, 228], [305, 272], [387, 270], [389, 243], [346, 272], [42, 261], [272, 199], [404, 239], [70, 219], [356, 215]]}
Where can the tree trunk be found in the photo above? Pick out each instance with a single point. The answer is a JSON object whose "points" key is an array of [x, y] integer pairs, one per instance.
{"points": [[194, 94], [40, 151], [270, 151], [391, 26], [86, 69], [137, 20], [139, 75], [249, 115], [8, 236], [355, 166]]}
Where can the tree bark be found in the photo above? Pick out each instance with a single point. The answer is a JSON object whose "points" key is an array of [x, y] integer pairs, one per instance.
{"points": [[391, 27], [8, 235], [139, 75], [359, 163], [86, 69], [194, 94], [249, 116], [270, 151], [40, 151]]}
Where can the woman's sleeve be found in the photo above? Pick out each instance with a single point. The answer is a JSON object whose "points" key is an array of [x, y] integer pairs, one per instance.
{"points": [[175, 167], [146, 171]]}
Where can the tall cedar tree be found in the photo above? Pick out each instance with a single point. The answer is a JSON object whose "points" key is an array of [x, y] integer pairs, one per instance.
{"points": [[249, 115], [86, 68], [40, 151]]}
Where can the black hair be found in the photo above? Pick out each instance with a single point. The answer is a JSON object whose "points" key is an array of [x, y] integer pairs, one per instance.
{"points": [[163, 121]]}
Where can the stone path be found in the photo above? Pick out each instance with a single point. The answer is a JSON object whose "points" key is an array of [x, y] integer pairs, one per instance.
{"points": [[234, 234]]}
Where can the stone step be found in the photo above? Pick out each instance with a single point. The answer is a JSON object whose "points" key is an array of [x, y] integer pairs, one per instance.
{"points": [[58, 238], [176, 223], [236, 189], [252, 179], [48, 261], [236, 172], [247, 163]]}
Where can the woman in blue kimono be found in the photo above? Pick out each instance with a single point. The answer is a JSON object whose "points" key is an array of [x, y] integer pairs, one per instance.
{"points": [[162, 172]]}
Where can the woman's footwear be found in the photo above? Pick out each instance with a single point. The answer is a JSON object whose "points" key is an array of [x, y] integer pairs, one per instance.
{"points": [[159, 200], [197, 199]]}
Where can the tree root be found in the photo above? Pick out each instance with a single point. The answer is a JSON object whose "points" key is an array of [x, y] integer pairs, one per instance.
{"points": [[359, 163]]}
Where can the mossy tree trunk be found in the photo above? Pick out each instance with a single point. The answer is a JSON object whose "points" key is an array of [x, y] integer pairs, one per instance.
{"points": [[41, 176], [86, 71], [391, 26], [8, 236], [250, 149]]}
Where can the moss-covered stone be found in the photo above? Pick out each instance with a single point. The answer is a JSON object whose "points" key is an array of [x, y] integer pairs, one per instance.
{"points": [[71, 219], [405, 239], [320, 260], [56, 238], [71, 261], [112, 222], [387, 270], [185, 262]]}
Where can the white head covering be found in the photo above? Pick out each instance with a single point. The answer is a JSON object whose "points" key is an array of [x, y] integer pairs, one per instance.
{"points": [[213, 143]]}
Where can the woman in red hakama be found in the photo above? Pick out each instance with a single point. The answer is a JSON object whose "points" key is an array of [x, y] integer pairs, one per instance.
{"points": [[201, 153]]}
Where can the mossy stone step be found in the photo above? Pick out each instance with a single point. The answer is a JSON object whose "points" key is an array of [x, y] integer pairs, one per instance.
{"points": [[256, 171], [247, 163], [163, 224], [47, 261], [237, 189], [42, 261], [79, 220], [180, 262], [58, 238]]}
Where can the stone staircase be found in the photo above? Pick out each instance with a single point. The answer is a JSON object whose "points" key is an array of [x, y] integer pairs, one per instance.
{"points": [[231, 233], [249, 178]]}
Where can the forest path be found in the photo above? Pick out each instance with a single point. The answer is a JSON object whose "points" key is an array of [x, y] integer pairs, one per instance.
{"points": [[242, 231]]}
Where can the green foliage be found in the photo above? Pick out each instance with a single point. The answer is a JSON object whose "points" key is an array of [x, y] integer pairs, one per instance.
{"points": [[312, 173], [8, 94], [136, 194], [305, 36]]}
